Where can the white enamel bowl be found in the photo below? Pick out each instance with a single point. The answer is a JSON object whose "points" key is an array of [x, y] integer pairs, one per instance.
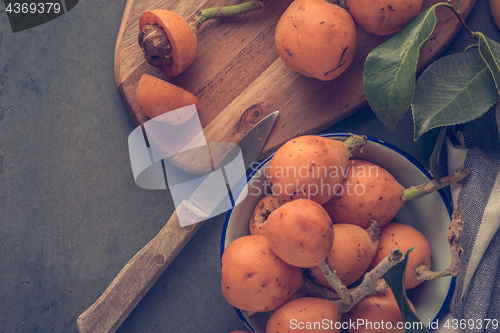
{"points": [[429, 214]]}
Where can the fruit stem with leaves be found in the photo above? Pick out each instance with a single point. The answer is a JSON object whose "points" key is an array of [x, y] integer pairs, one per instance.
{"points": [[369, 285], [371, 278], [313, 289], [453, 90], [373, 281]]}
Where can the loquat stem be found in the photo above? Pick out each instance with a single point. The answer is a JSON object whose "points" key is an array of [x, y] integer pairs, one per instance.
{"points": [[335, 282], [355, 141], [456, 227], [372, 279], [419, 191], [370, 285], [223, 12], [456, 11], [425, 274], [316, 290], [380, 287]]}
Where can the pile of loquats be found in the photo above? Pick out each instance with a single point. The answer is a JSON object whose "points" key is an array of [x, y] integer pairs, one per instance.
{"points": [[315, 256]]}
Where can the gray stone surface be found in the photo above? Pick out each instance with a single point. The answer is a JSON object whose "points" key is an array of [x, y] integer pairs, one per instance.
{"points": [[71, 215]]}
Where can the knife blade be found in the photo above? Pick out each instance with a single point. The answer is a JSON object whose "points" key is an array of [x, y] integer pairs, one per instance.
{"points": [[138, 276]]}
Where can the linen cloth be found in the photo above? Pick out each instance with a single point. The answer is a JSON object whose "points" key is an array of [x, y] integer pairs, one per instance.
{"points": [[476, 298]]}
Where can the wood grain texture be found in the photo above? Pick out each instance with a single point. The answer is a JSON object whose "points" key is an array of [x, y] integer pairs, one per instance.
{"points": [[238, 75]]}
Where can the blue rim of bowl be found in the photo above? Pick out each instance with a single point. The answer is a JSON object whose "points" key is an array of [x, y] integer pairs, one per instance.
{"points": [[401, 152]]}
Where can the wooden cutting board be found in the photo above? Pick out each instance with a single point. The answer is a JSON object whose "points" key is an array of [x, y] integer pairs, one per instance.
{"points": [[239, 77]]}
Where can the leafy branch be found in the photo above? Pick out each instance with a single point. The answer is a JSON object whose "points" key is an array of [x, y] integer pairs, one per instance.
{"points": [[454, 89]]}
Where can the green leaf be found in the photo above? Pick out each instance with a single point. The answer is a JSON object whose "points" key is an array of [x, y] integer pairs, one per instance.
{"points": [[490, 51], [433, 141], [452, 90], [390, 69], [395, 278]]}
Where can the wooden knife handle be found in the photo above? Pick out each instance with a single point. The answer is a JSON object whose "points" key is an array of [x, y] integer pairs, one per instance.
{"points": [[139, 274]]}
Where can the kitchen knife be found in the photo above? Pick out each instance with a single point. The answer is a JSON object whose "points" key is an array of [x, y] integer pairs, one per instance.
{"points": [[144, 269]]}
